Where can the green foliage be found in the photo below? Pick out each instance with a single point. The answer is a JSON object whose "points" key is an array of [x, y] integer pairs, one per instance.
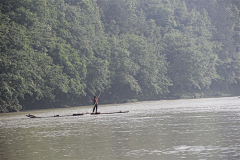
{"points": [[137, 70], [191, 53], [224, 16], [57, 52]]}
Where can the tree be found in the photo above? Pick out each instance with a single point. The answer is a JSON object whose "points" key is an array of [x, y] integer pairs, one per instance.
{"points": [[191, 51]]}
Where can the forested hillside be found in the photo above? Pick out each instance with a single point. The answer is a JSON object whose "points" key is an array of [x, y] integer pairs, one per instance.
{"points": [[62, 52]]}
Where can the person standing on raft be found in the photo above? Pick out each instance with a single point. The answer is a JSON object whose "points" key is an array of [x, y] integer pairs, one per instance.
{"points": [[95, 103]]}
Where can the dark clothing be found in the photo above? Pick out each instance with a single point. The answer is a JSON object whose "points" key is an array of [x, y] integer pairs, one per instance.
{"points": [[95, 106], [95, 102]]}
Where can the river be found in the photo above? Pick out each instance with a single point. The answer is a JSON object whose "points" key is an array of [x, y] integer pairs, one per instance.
{"points": [[201, 129]]}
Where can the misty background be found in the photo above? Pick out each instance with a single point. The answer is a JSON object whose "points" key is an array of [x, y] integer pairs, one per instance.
{"points": [[57, 53]]}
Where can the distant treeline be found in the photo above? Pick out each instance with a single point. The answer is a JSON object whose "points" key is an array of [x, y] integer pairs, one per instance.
{"points": [[56, 53]]}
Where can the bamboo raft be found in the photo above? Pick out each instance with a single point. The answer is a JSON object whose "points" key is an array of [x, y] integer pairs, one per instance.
{"points": [[76, 114]]}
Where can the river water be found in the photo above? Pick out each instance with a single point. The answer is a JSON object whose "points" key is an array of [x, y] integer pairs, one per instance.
{"points": [[203, 129]]}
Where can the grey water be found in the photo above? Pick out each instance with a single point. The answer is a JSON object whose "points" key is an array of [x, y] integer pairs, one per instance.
{"points": [[203, 129]]}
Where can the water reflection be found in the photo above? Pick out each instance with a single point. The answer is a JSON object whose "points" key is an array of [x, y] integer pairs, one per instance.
{"points": [[178, 129]]}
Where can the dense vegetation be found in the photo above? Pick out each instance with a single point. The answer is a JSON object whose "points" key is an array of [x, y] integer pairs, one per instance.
{"points": [[62, 52]]}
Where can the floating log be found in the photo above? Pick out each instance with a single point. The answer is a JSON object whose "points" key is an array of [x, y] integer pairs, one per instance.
{"points": [[32, 116], [78, 114]]}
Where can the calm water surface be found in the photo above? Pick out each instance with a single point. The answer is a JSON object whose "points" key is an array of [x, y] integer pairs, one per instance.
{"points": [[203, 129]]}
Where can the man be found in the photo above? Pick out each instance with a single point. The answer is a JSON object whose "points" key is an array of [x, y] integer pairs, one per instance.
{"points": [[95, 103]]}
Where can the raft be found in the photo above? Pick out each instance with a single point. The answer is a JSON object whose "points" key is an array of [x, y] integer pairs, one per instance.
{"points": [[76, 114], [109, 112]]}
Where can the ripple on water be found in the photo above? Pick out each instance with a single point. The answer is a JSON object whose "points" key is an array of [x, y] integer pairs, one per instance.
{"points": [[178, 129]]}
